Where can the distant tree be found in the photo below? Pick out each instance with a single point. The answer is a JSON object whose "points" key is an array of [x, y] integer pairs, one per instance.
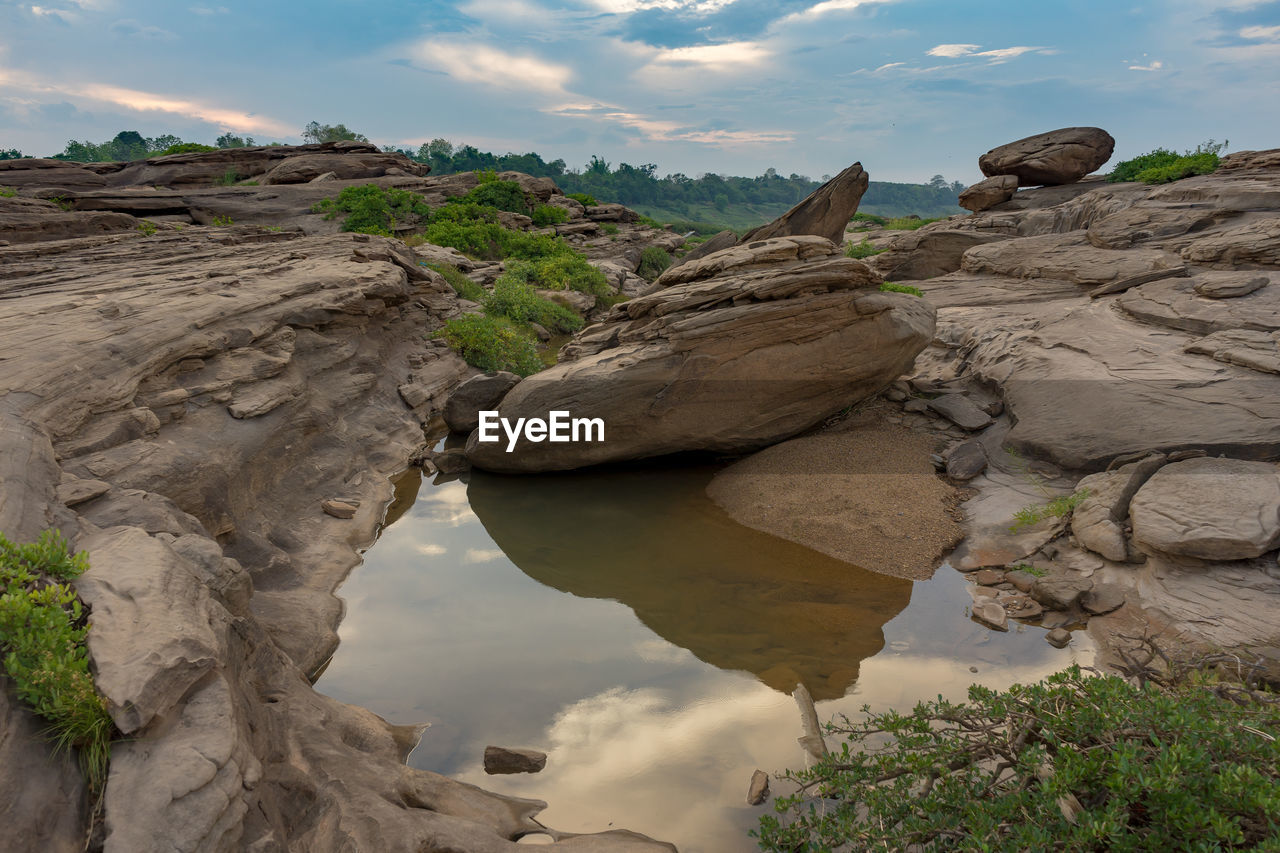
{"points": [[11, 154], [162, 143], [316, 132], [128, 145], [721, 202], [597, 166], [230, 140]]}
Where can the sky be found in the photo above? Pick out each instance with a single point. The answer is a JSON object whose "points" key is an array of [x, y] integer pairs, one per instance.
{"points": [[910, 88]]}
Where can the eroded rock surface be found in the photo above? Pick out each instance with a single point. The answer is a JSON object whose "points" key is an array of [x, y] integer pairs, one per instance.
{"points": [[743, 348], [1057, 157]]}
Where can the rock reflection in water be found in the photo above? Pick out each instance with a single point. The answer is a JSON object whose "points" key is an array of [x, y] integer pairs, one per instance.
{"points": [[736, 598]]}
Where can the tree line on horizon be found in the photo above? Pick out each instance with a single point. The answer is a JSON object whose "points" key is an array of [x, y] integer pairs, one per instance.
{"points": [[635, 186]]}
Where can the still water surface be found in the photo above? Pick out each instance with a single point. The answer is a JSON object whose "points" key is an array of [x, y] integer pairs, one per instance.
{"points": [[620, 622]]}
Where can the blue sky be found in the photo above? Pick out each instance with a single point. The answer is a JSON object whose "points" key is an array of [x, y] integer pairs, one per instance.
{"points": [[911, 88]]}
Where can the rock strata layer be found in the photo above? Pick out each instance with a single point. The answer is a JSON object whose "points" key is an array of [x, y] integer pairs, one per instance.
{"points": [[742, 348]]}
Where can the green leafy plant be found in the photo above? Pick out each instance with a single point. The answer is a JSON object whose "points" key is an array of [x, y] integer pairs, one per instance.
{"points": [[185, 148], [513, 297], [650, 222], [1072, 763], [43, 626], [610, 229], [549, 214], [869, 218], [569, 271], [894, 287], [486, 176], [492, 343], [1059, 507], [229, 178], [62, 202], [457, 279], [861, 250], [223, 221], [502, 195], [1034, 571], [583, 199], [8, 192], [653, 260], [1162, 165], [372, 209], [147, 228], [907, 223]]}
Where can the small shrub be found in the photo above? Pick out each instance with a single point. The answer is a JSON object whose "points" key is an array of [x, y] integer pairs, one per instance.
{"points": [[229, 178], [1034, 571], [1072, 763], [869, 218], [894, 287], [147, 228], [8, 192], [610, 229], [43, 626], [223, 221], [583, 199], [184, 148], [650, 222], [372, 209], [513, 297], [1059, 507], [570, 271], [549, 214], [62, 202], [486, 176], [653, 260], [502, 195], [861, 250], [1162, 165], [492, 343], [463, 286], [906, 223]]}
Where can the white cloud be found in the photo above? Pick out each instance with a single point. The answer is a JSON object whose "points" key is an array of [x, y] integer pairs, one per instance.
{"points": [[482, 555], [433, 549], [887, 66], [826, 7], [209, 10], [1261, 33], [1154, 66], [626, 7], [502, 11], [57, 14], [134, 99], [488, 66], [655, 130], [952, 50], [715, 57], [1004, 53]]}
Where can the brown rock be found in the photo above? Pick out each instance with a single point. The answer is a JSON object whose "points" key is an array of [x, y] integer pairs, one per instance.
{"points": [[988, 577], [498, 759], [966, 460], [989, 192], [1103, 598], [340, 507], [990, 613], [825, 213], [961, 411], [483, 392], [1059, 638], [1057, 157], [758, 791], [1060, 593], [927, 253]]}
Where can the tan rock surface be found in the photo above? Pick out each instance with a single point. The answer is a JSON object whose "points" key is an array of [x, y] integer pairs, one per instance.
{"points": [[1057, 157]]}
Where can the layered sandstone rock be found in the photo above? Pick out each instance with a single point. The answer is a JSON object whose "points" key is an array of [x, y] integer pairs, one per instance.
{"points": [[741, 348], [1057, 157]]}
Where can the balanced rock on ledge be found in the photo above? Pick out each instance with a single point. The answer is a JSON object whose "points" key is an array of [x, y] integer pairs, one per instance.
{"points": [[743, 348], [1057, 157]]}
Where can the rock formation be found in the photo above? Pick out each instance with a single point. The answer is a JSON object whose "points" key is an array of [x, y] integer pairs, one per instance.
{"points": [[182, 402], [1057, 157], [740, 349]]}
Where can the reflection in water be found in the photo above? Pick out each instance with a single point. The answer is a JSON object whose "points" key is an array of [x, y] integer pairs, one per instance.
{"points": [[650, 723], [736, 598]]}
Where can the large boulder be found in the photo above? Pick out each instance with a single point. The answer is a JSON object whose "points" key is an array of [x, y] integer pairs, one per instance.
{"points": [[988, 193], [1209, 508], [928, 253], [825, 212], [1057, 157], [40, 172], [743, 348]]}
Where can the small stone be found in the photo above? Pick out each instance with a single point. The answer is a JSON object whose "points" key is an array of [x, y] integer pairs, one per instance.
{"points": [[961, 411], [1021, 580], [1102, 599], [758, 792], [966, 460], [1059, 593], [989, 577], [340, 507], [452, 461], [1230, 287], [1058, 638], [895, 395], [501, 760], [1058, 619], [991, 614], [973, 669], [1020, 606], [75, 491], [916, 405]]}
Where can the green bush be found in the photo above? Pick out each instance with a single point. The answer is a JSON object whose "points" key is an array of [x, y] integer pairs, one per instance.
{"points": [[513, 297], [861, 250], [583, 199], [8, 192], [1073, 763], [894, 287], [147, 228], [569, 271], [549, 214], [906, 223], [1059, 507], [43, 626], [653, 260], [610, 229], [1162, 165], [492, 343], [869, 218], [184, 148], [502, 195], [463, 286], [372, 209], [229, 178]]}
